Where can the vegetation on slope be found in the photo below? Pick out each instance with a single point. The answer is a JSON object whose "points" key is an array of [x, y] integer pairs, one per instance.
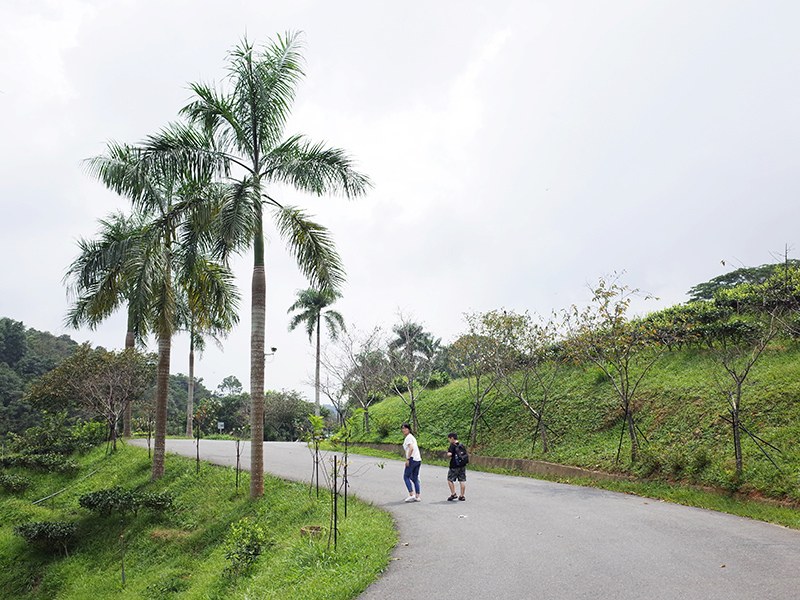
{"points": [[185, 552], [680, 411]]}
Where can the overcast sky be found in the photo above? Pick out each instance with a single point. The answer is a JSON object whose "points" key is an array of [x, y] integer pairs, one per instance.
{"points": [[519, 150]]}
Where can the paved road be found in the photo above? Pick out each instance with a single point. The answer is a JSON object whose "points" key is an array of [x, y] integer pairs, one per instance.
{"points": [[522, 538]]}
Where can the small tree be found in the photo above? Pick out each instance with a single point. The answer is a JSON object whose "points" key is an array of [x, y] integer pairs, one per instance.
{"points": [[98, 381], [205, 418], [525, 360], [754, 315], [286, 415], [624, 351], [475, 352], [357, 370]]}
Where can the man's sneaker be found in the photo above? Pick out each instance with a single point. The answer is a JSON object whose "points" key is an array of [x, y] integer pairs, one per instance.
{"points": [[416, 498], [461, 498], [410, 499], [451, 498]]}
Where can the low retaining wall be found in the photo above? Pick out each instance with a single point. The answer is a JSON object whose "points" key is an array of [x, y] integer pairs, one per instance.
{"points": [[537, 467]]}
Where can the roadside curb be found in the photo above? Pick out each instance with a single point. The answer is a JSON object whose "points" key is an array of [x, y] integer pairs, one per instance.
{"points": [[525, 465]]}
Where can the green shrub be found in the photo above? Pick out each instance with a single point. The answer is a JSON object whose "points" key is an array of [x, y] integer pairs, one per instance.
{"points": [[382, 426], [14, 483], [647, 465], [48, 535], [158, 502], [676, 463], [88, 435], [50, 462], [116, 500], [399, 385], [699, 461], [438, 379], [111, 500], [247, 541], [55, 436]]}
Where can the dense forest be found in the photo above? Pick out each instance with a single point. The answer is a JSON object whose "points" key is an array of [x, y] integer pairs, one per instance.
{"points": [[25, 355]]}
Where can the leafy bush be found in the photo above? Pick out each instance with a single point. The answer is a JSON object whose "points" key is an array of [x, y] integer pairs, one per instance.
{"points": [[158, 502], [55, 436], [648, 464], [699, 461], [14, 483], [88, 435], [116, 500], [246, 542], [48, 535], [676, 462], [438, 379], [110, 500], [50, 463]]}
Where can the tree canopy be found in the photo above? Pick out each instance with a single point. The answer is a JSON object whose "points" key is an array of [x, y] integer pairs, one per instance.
{"points": [[726, 281]]}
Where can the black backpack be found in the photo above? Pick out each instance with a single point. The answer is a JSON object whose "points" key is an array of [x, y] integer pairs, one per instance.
{"points": [[461, 457]]}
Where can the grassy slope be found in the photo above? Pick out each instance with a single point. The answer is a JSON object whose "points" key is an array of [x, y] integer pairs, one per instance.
{"points": [[679, 410], [182, 554]]}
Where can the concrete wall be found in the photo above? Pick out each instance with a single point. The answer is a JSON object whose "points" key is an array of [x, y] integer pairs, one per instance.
{"points": [[537, 467]]}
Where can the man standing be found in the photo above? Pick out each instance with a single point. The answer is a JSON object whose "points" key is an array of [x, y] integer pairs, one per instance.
{"points": [[458, 466]]}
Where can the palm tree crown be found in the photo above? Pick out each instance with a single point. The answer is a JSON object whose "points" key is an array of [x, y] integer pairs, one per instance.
{"points": [[174, 211], [312, 304]]}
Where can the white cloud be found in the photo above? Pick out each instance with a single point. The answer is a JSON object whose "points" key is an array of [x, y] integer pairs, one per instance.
{"points": [[518, 150]]}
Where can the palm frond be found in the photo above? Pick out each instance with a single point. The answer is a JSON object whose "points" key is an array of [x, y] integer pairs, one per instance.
{"points": [[264, 86], [315, 169], [311, 246], [238, 218]]}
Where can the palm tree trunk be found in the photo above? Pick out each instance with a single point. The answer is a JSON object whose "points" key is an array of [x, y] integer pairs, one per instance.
{"points": [[190, 394], [316, 374], [130, 342], [258, 328], [162, 391]]}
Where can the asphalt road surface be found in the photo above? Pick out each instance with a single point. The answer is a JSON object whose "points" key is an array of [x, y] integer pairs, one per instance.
{"points": [[520, 538]]}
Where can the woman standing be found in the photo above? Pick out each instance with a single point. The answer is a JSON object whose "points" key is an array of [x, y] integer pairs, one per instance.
{"points": [[413, 463]]}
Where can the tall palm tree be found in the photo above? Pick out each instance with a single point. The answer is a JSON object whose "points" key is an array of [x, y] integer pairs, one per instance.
{"points": [[243, 135], [170, 205], [312, 304], [102, 278]]}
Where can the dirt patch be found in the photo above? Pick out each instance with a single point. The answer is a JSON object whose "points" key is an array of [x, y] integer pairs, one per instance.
{"points": [[170, 535]]}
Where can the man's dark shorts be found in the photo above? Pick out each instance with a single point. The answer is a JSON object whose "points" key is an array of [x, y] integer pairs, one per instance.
{"points": [[457, 474]]}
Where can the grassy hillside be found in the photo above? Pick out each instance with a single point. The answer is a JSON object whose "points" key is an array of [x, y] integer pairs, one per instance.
{"points": [[182, 554], [679, 409]]}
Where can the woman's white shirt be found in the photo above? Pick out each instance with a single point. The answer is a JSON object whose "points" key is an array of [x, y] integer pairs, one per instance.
{"points": [[411, 441]]}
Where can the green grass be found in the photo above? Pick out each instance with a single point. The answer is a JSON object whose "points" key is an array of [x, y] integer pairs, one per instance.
{"points": [[680, 410], [181, 555]]}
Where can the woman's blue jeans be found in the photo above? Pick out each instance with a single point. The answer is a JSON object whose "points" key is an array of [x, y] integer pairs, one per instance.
{"points": [[411, 475]]}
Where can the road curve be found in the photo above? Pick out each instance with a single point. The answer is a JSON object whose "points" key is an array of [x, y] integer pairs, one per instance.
{"points": [[516, 538]]}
